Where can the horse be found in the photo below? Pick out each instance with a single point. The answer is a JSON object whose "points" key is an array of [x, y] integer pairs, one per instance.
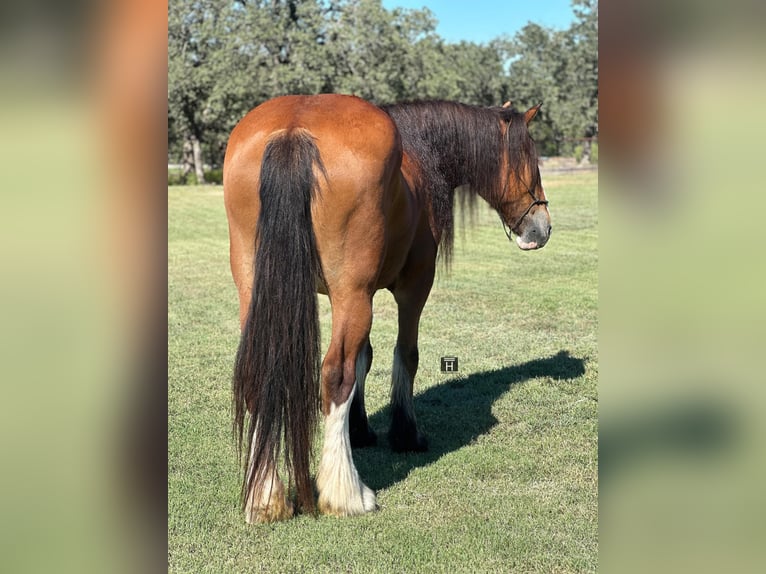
{"points": [[331, 194]]}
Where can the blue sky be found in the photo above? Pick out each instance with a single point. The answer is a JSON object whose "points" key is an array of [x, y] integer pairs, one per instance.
{"points": [[482, 20]]}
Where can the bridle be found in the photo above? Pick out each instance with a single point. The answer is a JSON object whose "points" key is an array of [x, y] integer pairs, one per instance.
{"points": [[535, 201]]}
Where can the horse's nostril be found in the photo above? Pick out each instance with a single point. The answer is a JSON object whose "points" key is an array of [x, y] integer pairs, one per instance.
{"points": [[549, 229]]}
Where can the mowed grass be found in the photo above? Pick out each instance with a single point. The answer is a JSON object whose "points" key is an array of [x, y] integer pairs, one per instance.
{"points": [[510, 481]]}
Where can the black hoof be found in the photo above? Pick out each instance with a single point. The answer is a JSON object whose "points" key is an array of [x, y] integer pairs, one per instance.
{"points": [[408, 441], [363, 438]]}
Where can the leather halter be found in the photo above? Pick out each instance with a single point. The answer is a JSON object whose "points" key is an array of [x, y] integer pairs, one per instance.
{"points": [[535, 201]]}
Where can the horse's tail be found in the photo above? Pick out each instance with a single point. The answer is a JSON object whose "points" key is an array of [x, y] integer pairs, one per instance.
{"points": [[276, 375]]}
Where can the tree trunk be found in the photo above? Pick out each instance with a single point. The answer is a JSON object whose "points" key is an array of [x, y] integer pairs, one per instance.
{"points": [[586, 152], [199, 169], [188, 159]]}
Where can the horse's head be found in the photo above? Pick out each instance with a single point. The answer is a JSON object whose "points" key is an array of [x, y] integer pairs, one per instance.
{"points": [[523, 207]]}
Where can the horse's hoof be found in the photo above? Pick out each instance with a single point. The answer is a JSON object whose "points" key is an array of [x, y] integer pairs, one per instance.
{"points": [[407, 442], [362, 439], [353, 505], [279, 509]]}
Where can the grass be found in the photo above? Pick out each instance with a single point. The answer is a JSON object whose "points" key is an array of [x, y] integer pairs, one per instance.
{"points": [[510, 481]]}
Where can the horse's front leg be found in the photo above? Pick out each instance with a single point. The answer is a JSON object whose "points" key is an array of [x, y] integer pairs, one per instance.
{"points": [[411, 293]]}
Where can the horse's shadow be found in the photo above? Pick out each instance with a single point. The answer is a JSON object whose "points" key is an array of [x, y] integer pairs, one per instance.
{"points": [[453, 414]]}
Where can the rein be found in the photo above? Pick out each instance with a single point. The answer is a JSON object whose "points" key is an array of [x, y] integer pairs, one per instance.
{"points": [[535, 201]]}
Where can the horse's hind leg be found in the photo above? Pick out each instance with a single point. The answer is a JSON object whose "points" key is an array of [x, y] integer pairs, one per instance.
{"points": [[341, 491], [359, 429], [266, 500]]}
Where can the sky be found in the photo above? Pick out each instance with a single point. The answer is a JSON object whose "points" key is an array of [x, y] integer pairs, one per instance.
{"points": [[482, 20]]}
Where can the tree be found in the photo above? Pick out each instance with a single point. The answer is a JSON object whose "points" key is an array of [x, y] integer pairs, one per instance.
{"points": [[535, 76], [380, 55], [479, 72], [204, 88], [559, 69], [227, 56], [583, 65]]}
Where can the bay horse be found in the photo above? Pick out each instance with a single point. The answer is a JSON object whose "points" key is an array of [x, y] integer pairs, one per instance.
{"points": [[332, 194]]}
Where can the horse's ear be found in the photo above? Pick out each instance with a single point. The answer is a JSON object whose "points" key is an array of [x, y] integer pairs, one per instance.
{"points": [[531, 113], [507, 104]]}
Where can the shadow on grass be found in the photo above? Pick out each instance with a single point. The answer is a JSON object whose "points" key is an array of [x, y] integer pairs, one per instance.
{"points": [[696, 427], [453, 414]]}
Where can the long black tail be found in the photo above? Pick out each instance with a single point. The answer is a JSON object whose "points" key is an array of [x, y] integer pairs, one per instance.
{"points": [[276, 375]]}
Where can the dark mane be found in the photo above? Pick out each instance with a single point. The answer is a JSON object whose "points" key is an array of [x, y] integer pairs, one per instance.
{"points": [[455, 144]]}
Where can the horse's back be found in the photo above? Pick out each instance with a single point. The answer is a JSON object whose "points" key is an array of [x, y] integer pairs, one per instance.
{"points": [[357, 183], [347, 130]]}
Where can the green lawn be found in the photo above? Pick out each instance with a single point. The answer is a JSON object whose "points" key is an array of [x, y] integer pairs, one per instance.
{"points": [[510, 483]]}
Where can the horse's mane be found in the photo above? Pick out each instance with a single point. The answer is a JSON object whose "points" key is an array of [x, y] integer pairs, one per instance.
{"points": [[454, 144]]}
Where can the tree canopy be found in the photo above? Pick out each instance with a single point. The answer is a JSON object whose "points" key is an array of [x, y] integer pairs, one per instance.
{"points": [[227, 56]]}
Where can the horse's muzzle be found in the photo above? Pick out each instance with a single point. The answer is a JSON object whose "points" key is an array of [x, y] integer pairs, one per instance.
{"points": [[534, 237]]}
